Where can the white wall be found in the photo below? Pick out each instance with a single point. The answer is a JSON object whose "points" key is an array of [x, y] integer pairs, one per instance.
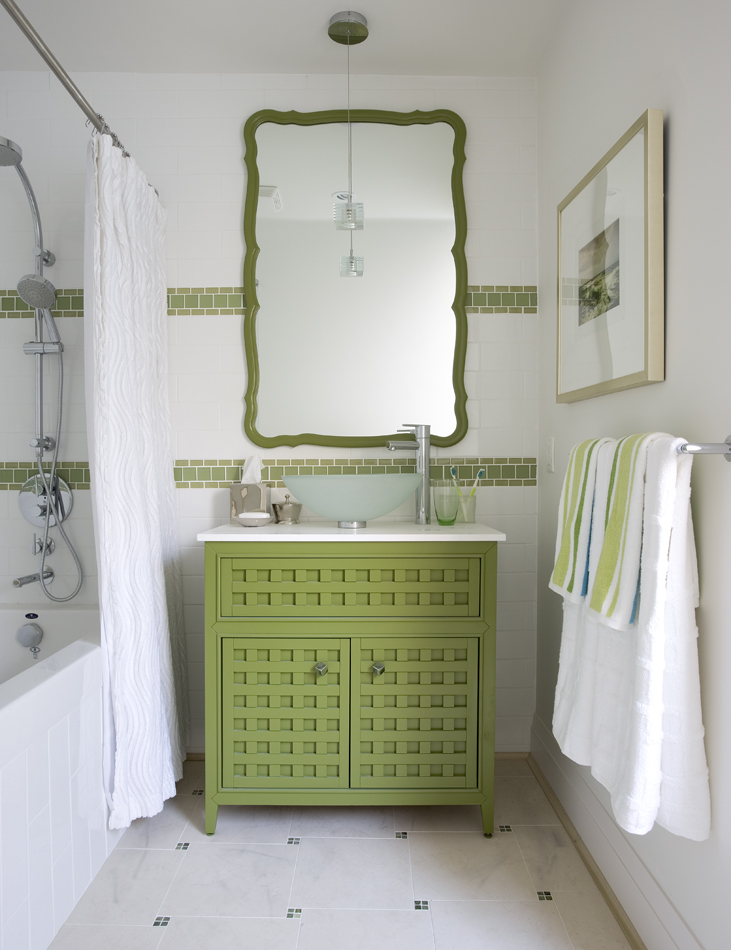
{"points": [[185, 131], [606, 66]]}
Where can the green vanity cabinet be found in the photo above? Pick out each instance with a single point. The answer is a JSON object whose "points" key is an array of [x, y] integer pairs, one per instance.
{"points": [[349, 673]]}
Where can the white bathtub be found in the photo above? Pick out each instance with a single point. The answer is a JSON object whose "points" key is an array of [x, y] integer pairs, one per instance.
{"points": [[53, 814]]}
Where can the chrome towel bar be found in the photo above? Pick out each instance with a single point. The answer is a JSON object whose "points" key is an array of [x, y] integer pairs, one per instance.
{"points": [[708, 448]]}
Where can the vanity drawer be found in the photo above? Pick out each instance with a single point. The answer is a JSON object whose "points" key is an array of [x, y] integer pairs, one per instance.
{"points": [[443, 586]]}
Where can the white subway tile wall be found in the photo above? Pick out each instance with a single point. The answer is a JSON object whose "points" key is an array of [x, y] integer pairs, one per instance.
{"points": [[162, 119], [53, 822]]}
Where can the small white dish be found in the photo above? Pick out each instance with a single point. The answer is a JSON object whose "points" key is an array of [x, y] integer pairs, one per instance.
{"points": [[254, 519]]}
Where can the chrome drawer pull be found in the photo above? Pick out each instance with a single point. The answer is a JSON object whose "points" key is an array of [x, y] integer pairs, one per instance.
{"points": [[378, 668], [321, 668]]}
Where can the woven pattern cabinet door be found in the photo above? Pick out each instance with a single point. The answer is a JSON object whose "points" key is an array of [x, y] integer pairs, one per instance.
{"points": [[446, 586], [285, 724], [414, 711]]}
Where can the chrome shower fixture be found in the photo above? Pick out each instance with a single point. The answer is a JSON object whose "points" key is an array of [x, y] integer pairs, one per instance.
{"points": [[37, 292], [10, 153], [34, 578], [45, 499]]}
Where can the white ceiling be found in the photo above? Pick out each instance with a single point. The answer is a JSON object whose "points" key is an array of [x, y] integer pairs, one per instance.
{"points": [[410, 37]]}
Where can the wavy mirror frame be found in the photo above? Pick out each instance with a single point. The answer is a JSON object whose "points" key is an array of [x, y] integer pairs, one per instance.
{"points": [[252, 252]]}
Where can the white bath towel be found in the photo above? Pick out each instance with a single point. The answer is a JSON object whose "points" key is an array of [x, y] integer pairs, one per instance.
{"points": [[572, 721], [628, 700]]}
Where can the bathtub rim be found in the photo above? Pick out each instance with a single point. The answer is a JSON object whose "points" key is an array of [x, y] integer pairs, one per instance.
{"points": [[28, 681]]}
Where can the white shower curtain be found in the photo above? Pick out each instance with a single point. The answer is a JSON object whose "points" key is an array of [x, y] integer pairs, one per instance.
{"points": [[132, 486]]}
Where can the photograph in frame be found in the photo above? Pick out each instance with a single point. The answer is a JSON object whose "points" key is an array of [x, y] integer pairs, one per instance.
{"points": [[610, 270]]}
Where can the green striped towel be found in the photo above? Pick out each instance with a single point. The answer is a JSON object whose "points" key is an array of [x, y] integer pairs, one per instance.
{"points": [[615, 586], [570, 572]]}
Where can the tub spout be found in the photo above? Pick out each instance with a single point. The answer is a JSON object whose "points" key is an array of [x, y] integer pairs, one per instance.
{"points": [[33, 578]]}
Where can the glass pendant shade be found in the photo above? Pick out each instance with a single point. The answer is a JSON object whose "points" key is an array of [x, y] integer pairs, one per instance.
{"points": [[348, 216], [351, 266]]}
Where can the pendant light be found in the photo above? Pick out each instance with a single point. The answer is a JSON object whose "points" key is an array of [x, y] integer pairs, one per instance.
{"points": [[348, 28]]}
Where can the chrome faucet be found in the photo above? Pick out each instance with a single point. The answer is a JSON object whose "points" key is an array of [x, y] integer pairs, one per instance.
{"points": [[33, 578], [422, 447]]}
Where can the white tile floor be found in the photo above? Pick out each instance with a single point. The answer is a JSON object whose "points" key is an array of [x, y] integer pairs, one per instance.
{"points": [[349, 884]]}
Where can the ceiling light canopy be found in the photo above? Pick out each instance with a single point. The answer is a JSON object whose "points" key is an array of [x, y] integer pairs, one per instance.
{"points": [[348, 28]]}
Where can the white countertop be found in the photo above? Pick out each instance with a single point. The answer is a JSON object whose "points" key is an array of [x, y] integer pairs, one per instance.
{"points": [[329, 531]]}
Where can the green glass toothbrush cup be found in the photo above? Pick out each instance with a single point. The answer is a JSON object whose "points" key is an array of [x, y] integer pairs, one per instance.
{"points": [[446, 501]]}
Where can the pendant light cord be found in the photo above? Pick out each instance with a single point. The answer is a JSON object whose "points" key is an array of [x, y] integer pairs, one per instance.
{"points": [[350, 148], [350, 135]]}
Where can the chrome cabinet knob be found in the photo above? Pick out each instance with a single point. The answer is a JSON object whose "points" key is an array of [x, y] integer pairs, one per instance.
{"points": [[378, 668], [321, 668]]}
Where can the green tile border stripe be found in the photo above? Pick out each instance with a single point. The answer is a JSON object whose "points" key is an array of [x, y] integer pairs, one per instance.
{"points": [[220, 473], [181, 301], [14, 474], [502, 298], [206, 301], [228, 301], [69, 303]]}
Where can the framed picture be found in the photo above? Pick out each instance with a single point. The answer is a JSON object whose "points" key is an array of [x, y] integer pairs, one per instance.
{"points": [[611, 305]]}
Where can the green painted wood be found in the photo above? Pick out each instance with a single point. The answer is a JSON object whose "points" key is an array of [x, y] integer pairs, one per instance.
{"points": [[415, 724], [417, 636], [252, 253], [350, 796], [212, 689], [486, 718], [326, 587], [284, 724]]}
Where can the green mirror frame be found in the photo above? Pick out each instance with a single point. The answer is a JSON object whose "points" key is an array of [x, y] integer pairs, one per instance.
{"points": [[252, 252]]}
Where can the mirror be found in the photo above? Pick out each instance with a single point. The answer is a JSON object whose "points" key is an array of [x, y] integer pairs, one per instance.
{"points": [[344, 361]]}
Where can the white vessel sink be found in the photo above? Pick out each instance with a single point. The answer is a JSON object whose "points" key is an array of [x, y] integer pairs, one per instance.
{"points": [[351, 500]]}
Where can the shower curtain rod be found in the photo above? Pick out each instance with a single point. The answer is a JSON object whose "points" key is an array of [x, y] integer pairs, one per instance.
{"points": [[81, 101]]}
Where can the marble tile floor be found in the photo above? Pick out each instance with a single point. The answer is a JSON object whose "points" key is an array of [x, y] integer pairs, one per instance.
{"points": [[284, 878]]}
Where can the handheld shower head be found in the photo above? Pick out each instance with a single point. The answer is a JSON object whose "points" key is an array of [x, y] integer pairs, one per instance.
{"points": [[37, 292], [53, 335], [10, 153]]}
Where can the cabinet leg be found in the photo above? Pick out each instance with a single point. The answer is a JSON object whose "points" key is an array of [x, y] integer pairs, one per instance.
{"points": [[487, 818], [211, 816]]}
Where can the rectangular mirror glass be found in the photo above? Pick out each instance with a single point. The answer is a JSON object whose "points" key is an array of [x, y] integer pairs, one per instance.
{"points": [[338, 360]]}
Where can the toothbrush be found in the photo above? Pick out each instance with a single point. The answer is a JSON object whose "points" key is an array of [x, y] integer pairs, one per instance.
{"points": [[453, 473], [480, 474]]}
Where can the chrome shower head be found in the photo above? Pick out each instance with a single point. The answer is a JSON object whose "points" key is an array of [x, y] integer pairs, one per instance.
{"points": [[37, 292], [10, 153]]}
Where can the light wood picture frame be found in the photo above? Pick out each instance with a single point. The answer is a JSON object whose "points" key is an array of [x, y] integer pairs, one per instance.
{"points": [[611, 300]]}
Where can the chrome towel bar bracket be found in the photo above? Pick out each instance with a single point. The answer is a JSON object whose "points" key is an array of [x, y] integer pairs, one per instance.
{"points": [[708, 448]]}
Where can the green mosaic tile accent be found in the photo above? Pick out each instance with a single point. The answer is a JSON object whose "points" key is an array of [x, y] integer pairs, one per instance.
{"points": [[14, 474], [206, 301], [501, 298], [200, 473], [69, 303], [214, 301], [181, 301]]}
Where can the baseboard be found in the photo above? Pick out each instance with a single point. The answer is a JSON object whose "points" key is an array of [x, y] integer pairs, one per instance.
{"points": [[628, 928], [641, 902], [196, 756]]}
